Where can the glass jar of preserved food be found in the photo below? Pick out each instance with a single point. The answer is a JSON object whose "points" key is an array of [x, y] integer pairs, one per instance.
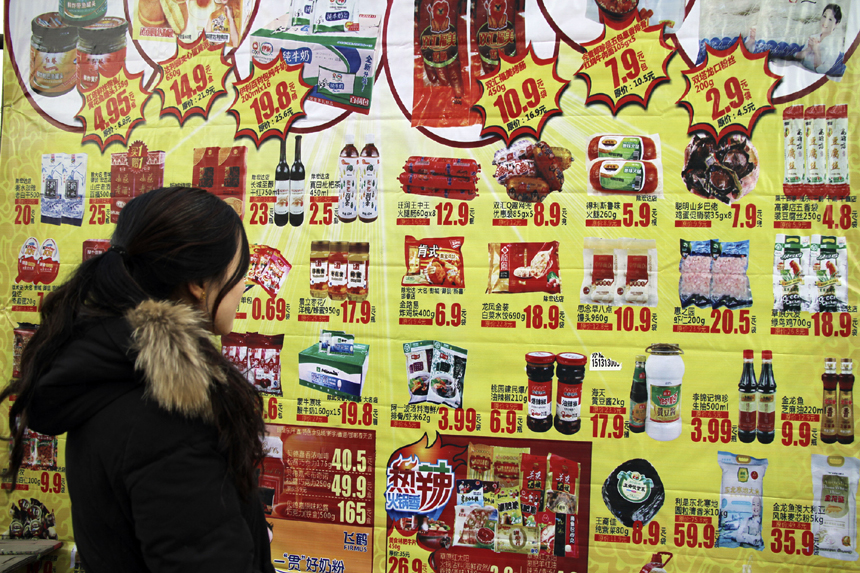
{"points": [[539, 369], [52, 55], [337, 270], [101, 51], [358, 264], [570, 373]]}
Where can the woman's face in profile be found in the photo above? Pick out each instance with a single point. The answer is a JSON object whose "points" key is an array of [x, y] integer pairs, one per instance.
{"points": [[828, 22], [222, 322]]}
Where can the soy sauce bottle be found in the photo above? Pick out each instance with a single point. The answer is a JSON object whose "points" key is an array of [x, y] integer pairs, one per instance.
{"points": [[766, 400], [638, 397], [748, 406], [845, 425], [829, 409]]}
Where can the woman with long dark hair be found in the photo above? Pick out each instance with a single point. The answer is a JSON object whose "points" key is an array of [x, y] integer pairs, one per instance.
{"points": [[164, 434]]}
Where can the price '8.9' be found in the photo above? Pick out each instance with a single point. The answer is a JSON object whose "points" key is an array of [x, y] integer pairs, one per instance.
{"points": [[509, 104]]}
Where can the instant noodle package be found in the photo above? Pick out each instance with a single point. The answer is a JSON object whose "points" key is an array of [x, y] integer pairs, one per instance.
{"points": [[714, 274], [810, 274], [619, 272]]}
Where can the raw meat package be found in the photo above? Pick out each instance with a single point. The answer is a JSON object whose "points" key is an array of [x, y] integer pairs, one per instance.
{"points": [[828, 257], [791, 268], [694, 286], [524, 267], [834, 485], [619, 272], [634, 492], [434, 262], [741, 491], [730, 286]]}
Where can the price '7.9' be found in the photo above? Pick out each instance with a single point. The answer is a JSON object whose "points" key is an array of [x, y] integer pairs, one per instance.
{"points": [[630, 64]]}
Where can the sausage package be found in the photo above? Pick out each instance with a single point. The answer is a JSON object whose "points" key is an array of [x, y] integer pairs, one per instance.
{"points": [[834, 523], [624, 147], [434, 262], [741, 492], [608, 177], [524, 267], [497, 28]]}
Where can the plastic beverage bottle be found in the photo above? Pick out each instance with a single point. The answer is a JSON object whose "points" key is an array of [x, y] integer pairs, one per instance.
{"points": [[829, 406], [845, 419], [347, 210], [766, 399], [369, 164], [748, 406], [664, 373], [638, 397]]}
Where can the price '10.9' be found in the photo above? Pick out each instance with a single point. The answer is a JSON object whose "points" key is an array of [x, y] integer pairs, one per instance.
{"points": [[509, 104]]}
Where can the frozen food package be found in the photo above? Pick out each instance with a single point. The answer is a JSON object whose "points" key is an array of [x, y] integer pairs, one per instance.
{"points": [[730, 286], [51, 195], [419, 359], [441, 95], [834, 524], [447, 375], [790, 267], [598, 282], [741, 491], [828, 257], [434, 262], [639, 264], [524, 267], [694, 286], [74, 188]]}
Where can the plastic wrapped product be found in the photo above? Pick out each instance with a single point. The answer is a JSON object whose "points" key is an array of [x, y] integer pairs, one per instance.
{"points": [[834, 485], [28, 261], [828, 257], [480, 464], [518, 168], [49, 262], [470, 492], [599, 282], [517, 539], [694, 286], [838, 169], [790, 270], [634, 492], [506, 465], [434, 262], [334, 16], [611, 176], [640, 272], [419, 358], [303, 12], [448, 166], [741, 492], [730, 286], [794, 176], [524, 267], [447, 375], [629, 147], [475, 526], [520, 149]]}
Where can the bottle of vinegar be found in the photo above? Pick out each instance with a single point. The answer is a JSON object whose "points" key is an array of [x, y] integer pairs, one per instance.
{"points": [[766, 399], [748, 406]]}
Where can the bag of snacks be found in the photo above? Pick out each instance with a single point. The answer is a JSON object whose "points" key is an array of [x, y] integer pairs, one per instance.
{"points": [[434, 262], [741, 491]]}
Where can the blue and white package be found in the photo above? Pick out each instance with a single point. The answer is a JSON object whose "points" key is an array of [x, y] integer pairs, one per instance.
{"points": [[741, 501], [331, 82], [74, 188], [333, 16], [694, 286], [51, 195]]}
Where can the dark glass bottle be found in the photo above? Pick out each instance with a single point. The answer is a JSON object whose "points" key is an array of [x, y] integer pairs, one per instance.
{"points": [[766, 399], [297, 187], [748, 406], [282, 188], [829, 406], [638, 397], [570, 373], [539, 369], [845, 425]]}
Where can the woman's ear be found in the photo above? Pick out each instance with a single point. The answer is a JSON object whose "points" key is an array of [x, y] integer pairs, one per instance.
{"points": [[198, 291]]}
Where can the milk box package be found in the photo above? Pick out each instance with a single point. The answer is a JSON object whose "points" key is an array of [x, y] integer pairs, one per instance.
{"points": [[340, 65], [336, 374]]}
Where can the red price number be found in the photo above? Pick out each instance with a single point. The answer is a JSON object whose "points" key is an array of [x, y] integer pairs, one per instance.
{"points": [[440, 318], [259, 213], [463, 420], [99, 214], [182, 89], [506, 423], [24, 214], [822, 323], [41, 296], [541, 219], [264, 105], [324, 218], [349, 311], [630, 64], [274, 411], [629, 220], [535, 317], [51, 483], [845, 221], [600, 426], [350, 416], [688, 534], [116, 107], [718, 430], [724, 321], [275, 309], [804, 434], [784, 541], [402, 565], [734, 91], [625, 317], [749, 219], [445, 214], [509, 104], [649, 537]]}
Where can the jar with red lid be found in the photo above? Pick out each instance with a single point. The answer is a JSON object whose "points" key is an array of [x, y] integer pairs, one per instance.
{"points": [[539, 369], [570, 372]]}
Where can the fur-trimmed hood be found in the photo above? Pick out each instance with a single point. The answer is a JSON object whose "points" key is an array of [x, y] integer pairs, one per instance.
{"points": [[157, 345]]}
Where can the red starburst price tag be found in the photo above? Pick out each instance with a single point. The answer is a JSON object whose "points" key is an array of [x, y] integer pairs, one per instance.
{"points": [[625, 63], [520, 96], [269, 100], [192, 79], [112, 108], [728, 91]]}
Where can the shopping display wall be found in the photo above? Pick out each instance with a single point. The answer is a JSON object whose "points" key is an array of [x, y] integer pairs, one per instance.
{"points": [[537, 286]]}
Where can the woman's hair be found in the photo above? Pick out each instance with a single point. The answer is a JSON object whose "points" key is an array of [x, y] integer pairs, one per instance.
{"points": [[164, 240], [837, 11]]}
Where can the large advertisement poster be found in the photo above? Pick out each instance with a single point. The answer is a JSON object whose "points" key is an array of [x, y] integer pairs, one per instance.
{"points": [[537, 286]]}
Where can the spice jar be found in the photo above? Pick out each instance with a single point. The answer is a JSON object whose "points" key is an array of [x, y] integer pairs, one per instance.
{"points": [[82, 12], [101, 51], [358, 261], [319, 269], [337, 270], [52, 55], [570, 373], [539, 369]]}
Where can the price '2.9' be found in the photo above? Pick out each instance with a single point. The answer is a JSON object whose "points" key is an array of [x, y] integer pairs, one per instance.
{"points": [[735, 93], [509, 104]]}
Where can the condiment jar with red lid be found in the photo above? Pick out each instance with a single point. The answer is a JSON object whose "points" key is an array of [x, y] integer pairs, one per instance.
{"points": [[570, 373], [539, 368]]}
